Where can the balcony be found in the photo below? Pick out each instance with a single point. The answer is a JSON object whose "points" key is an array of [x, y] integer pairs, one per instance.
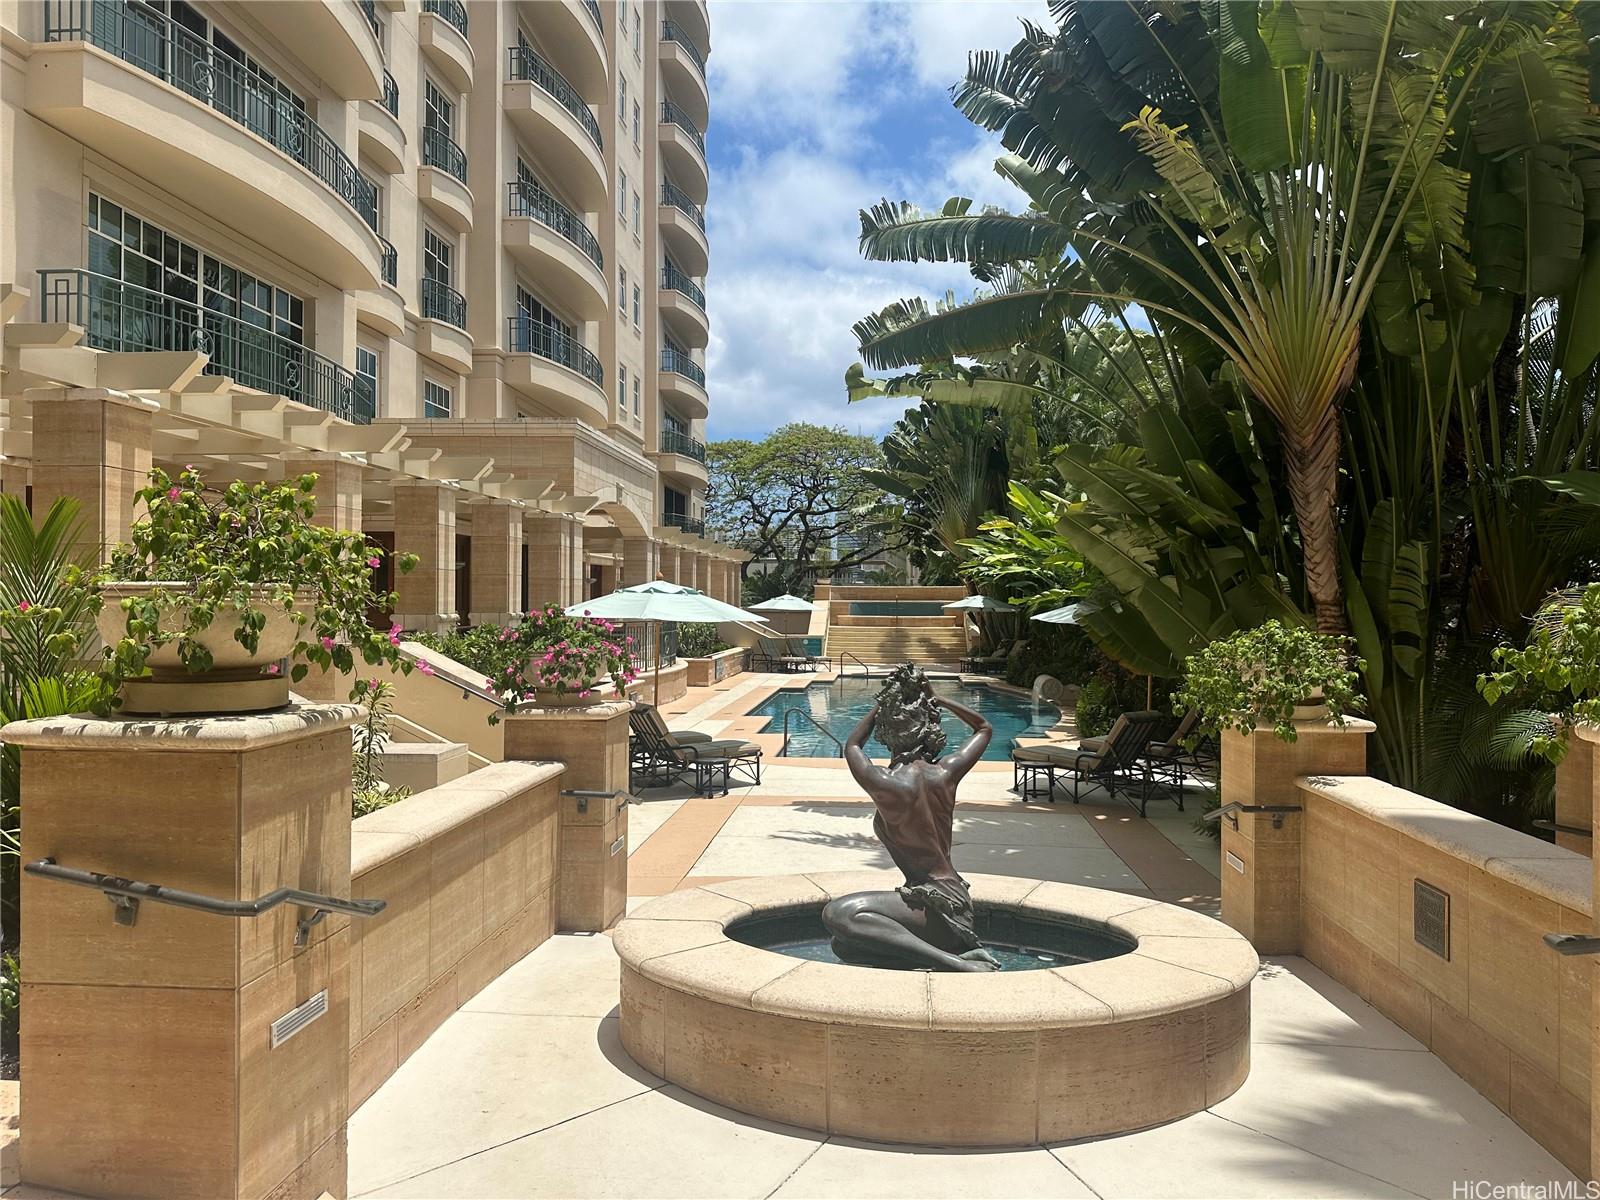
{"points": [[683, 226], [682, 459], [684, 522], [336, 40], [120, 317], [573, 34], [149, 96], [683, 305], [442, 34], [384, 308], [442, 179], [683, 68], [691, 16], [383, 140], [683, 381], [555, 370], [442, 335], [559, 127], [683, 148], [391, 93], [558, 248]]}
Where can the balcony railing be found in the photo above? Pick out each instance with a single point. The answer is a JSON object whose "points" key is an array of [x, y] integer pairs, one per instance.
{"points": [[684, 522], [672, 33], [530, 200], [161, 48], [527, 336], [439, 151], [441, 302], [369, 10], [674, 442], [679, 199], [527, 65], [671, 114], [452, 11], [643, 641], [391, 93], [593, 9], [680, 363], [120, 316], [391, 262], [675, 280]]}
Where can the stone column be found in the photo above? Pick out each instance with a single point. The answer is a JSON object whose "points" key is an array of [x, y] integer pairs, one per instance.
{"points": [[579, 575], [496, 562], [689, 569], [593, 743], [669, 563], [425, 525], [1575, 798], [338, 488], [149, 1063], [550, 538], [1261, 851], [638, 560], [93, 446]]}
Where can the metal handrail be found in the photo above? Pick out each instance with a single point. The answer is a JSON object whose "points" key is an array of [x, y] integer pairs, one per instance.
{"points": [[676, 442], [527, 65], [1232, 809], [671, 114], [441, 302], [369, 10], [125, 895], [391, 262], [391, 93], [594, 15], [528, 336], [526, 198], [671, 33], [784, 753], [866, 671], [679, 199], [685, 522], [440, 150], [679, 363], [452, 11], [676, 280]]}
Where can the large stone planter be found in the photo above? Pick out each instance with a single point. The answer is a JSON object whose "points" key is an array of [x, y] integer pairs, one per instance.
{"points": [[713, 668]]}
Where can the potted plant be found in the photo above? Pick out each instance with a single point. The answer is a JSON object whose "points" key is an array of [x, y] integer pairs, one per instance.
{"points": [[1274, 676], [1559, 668], [221, 587], [551, 660]]}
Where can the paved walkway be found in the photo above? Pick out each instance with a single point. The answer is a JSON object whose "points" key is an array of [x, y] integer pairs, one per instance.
{"points": [[527, 1092]]}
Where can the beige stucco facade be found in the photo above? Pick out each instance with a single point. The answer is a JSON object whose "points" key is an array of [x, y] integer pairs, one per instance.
{"points": [[392, 241]]}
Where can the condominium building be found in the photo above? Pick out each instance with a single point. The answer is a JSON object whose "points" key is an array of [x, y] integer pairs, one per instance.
{"points": [[450, 256]]}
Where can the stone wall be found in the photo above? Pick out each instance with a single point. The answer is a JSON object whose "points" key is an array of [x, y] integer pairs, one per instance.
{"points": [[1498, 1006], [470, 872], [703, 672]]}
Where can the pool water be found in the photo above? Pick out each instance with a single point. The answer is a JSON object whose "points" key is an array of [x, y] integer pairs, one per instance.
{"points": [[1020, 943], [840, 705]]}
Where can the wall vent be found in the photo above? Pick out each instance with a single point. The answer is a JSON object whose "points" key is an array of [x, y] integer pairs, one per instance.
{"points": [[1430, 918], [297, 1018]]}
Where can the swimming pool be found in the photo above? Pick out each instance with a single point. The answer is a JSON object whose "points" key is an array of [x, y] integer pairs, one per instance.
{"points": [[839, 705]]}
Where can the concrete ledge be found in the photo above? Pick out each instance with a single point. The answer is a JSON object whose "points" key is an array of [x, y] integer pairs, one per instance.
{"points": [[423, 765], [246, 731]]}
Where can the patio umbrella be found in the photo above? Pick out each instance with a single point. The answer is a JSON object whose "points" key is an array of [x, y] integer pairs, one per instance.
{"points": [[1068, 615], [656, 602], [784, 603], [981, 604]]}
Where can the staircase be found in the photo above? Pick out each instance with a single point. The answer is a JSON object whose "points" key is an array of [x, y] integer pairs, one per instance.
{"points": [[943, 644]]}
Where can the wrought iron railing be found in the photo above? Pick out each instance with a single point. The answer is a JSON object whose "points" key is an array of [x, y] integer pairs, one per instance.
{"points": [[369, 10], [685, 522], [672, 33], [671, 114], [526, 64], [391, 262], [161, 48], [680, 363], [439, 150], [679, 199], [528, 199], [675, 280], [643, 640], [527, 336], [452, 11], [120, 316], [593, 10], [441, 302], [676, 442], [391, 93]]}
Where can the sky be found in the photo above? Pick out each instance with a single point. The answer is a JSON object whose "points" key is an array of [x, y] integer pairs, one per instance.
{"points": [[820, 108]]}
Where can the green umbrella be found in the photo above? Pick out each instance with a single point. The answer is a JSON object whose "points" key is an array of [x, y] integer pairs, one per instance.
{"points": [[784, 603], [1058, 616], [980, 604]]}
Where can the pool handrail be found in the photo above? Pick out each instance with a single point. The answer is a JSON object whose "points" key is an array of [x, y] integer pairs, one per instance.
{"points": [[784, 753], [866, 671]]}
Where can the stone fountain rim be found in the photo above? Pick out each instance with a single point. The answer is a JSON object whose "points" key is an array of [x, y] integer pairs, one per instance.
{"points": [[1181, 959]]}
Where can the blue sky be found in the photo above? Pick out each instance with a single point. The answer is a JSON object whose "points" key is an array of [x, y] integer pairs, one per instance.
{"points": [[819, 109]]}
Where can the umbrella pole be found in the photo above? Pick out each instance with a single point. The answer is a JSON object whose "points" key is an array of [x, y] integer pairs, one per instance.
{"points": [[1149, 691], [655, 695]]}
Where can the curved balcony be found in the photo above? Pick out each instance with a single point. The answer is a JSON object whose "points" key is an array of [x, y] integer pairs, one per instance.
{"points": [[384, 308], [683, 67], [682, 459], [559, 127], [693, 17], [378, 126], [695, 526], [683, 305], [150, 97], [442, 34], [442, 179], [683, 225], [558, 248], [556, 371], [683, 147], [442, 333], [575, 38], [683, 381], [122, 317], [334, 38]]}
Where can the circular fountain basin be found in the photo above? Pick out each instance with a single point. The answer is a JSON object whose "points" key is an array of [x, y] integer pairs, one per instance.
{"points": [[1149, 1022]]}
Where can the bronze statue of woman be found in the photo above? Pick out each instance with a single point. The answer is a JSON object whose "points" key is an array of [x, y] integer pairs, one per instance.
{"points": [[927, 923]]}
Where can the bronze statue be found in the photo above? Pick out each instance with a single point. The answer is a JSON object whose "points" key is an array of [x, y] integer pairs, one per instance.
{"points": [[927, 923]]}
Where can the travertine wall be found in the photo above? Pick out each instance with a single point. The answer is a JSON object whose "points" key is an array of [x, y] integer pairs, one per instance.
{"points": [[703, 672], [1503, 1010], [470, 871]]}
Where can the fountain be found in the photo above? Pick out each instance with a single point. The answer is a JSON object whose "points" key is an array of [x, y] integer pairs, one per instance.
{"points": [[944, 1010]]}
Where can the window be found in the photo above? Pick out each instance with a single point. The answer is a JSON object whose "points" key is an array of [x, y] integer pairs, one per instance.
{"points": [[436, 399], [438, 256], [367, 377], [622, 290], [622, 193], [636, 125], [438, 110], [622, 389], [377, 196], [622, 101], [638, 228], [638, 31], [671, 422], [636, 309], [540, 331], [636, 397]]}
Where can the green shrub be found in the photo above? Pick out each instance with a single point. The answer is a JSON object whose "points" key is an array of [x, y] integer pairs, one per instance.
{"points": [[697, 639], [480, 647], [1064, 651], [1559, 669], [369, 792]]}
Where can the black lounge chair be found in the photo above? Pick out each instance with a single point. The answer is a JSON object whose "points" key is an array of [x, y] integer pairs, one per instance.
{"points": [[647, 728], [775, 654], [1109, 762], [655, 757], [1171, 760]]}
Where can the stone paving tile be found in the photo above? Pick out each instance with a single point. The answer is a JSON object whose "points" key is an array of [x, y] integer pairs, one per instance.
{"points": [[644, 819], [1061, 864], [1298, 1003], [874, 1171], [573, 975]]}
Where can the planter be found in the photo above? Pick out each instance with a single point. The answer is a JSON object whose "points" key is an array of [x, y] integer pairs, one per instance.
{"points": [[1312, 708], [235, 682], [599, 693], [713, 668]]}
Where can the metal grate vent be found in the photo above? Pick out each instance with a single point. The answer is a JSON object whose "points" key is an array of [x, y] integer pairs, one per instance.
{"points": [[1430, 918], [296, 1019], [1235, 862]]}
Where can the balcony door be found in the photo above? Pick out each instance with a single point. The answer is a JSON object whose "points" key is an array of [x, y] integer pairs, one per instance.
{"points": [[438, 110], [540, 331]]}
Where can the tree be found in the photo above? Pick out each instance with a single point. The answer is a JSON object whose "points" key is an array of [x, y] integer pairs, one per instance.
{"points": [[797, 498]]}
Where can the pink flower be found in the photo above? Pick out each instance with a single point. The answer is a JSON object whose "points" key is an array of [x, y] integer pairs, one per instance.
{"points": [[172, 493], [274, 669], [394, 635], [425, 668], [327, 643], [586, 692], [374, 562], [24, 606]]}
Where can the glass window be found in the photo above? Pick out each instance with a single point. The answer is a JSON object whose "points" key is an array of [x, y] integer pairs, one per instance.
{"points": [[636, 308], [438, 256], [622, 193], [622, 101], [637, 227], [437, 400], [636, 124], [367, 376], [439, 110], [636, 396], [622, 389], [638, 31], [622, 290]]}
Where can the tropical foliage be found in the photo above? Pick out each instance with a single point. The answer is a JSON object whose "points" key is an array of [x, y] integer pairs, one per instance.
{"points": [[1560, 665], [369, 791]]}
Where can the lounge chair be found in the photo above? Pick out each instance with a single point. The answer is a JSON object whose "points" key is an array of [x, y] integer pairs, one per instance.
{"points": [[1173, 761], [775, 655], [1116, 759], [655, 757], [647, 727], [796, 649], [983, 664]]}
